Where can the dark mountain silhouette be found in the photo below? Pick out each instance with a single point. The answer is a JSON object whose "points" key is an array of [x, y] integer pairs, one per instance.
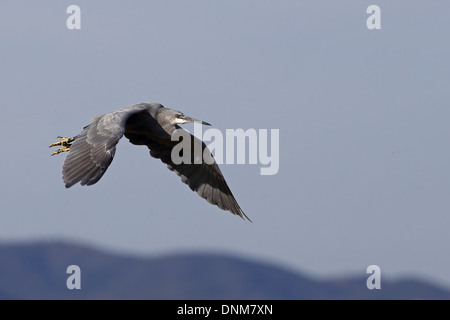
{"points": [[38, 271]]}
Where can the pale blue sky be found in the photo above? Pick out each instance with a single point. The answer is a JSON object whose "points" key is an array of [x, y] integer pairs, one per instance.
{"points": [[363, 117]]}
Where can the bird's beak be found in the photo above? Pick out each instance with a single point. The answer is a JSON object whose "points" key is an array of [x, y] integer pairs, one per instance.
{"points": [[187, 119]]}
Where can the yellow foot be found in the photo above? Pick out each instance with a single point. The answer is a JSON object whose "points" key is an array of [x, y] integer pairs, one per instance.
{"points": [[65, 144], [63, 149]]}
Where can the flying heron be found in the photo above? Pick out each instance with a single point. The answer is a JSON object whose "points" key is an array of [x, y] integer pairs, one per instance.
{"points": [[91, 152]]}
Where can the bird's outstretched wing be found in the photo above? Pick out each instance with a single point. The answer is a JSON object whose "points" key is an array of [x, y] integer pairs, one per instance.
{"points": [[205, 179], [93, 149]]}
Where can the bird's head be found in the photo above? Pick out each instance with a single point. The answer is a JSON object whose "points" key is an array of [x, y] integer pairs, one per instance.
{"points": [[178, 117]]}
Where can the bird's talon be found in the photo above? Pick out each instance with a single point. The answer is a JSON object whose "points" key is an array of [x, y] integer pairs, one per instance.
{"points": [[65, 144], [63, 149]]}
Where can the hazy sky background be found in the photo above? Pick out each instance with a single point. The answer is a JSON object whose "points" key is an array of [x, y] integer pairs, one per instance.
{"points": [[363, 117]]}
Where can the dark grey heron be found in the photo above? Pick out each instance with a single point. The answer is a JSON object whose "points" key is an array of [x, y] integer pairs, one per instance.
{"points": [[150, 124]]}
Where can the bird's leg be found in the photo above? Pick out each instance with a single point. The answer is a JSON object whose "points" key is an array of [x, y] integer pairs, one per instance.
{"points": [[65, 144]]}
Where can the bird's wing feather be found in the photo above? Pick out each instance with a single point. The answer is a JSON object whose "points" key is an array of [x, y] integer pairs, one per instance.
{"points": [[93, 149], [205, 179]]}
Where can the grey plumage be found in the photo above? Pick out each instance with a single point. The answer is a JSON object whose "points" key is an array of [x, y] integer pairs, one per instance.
{"points": [[152, 125]]}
